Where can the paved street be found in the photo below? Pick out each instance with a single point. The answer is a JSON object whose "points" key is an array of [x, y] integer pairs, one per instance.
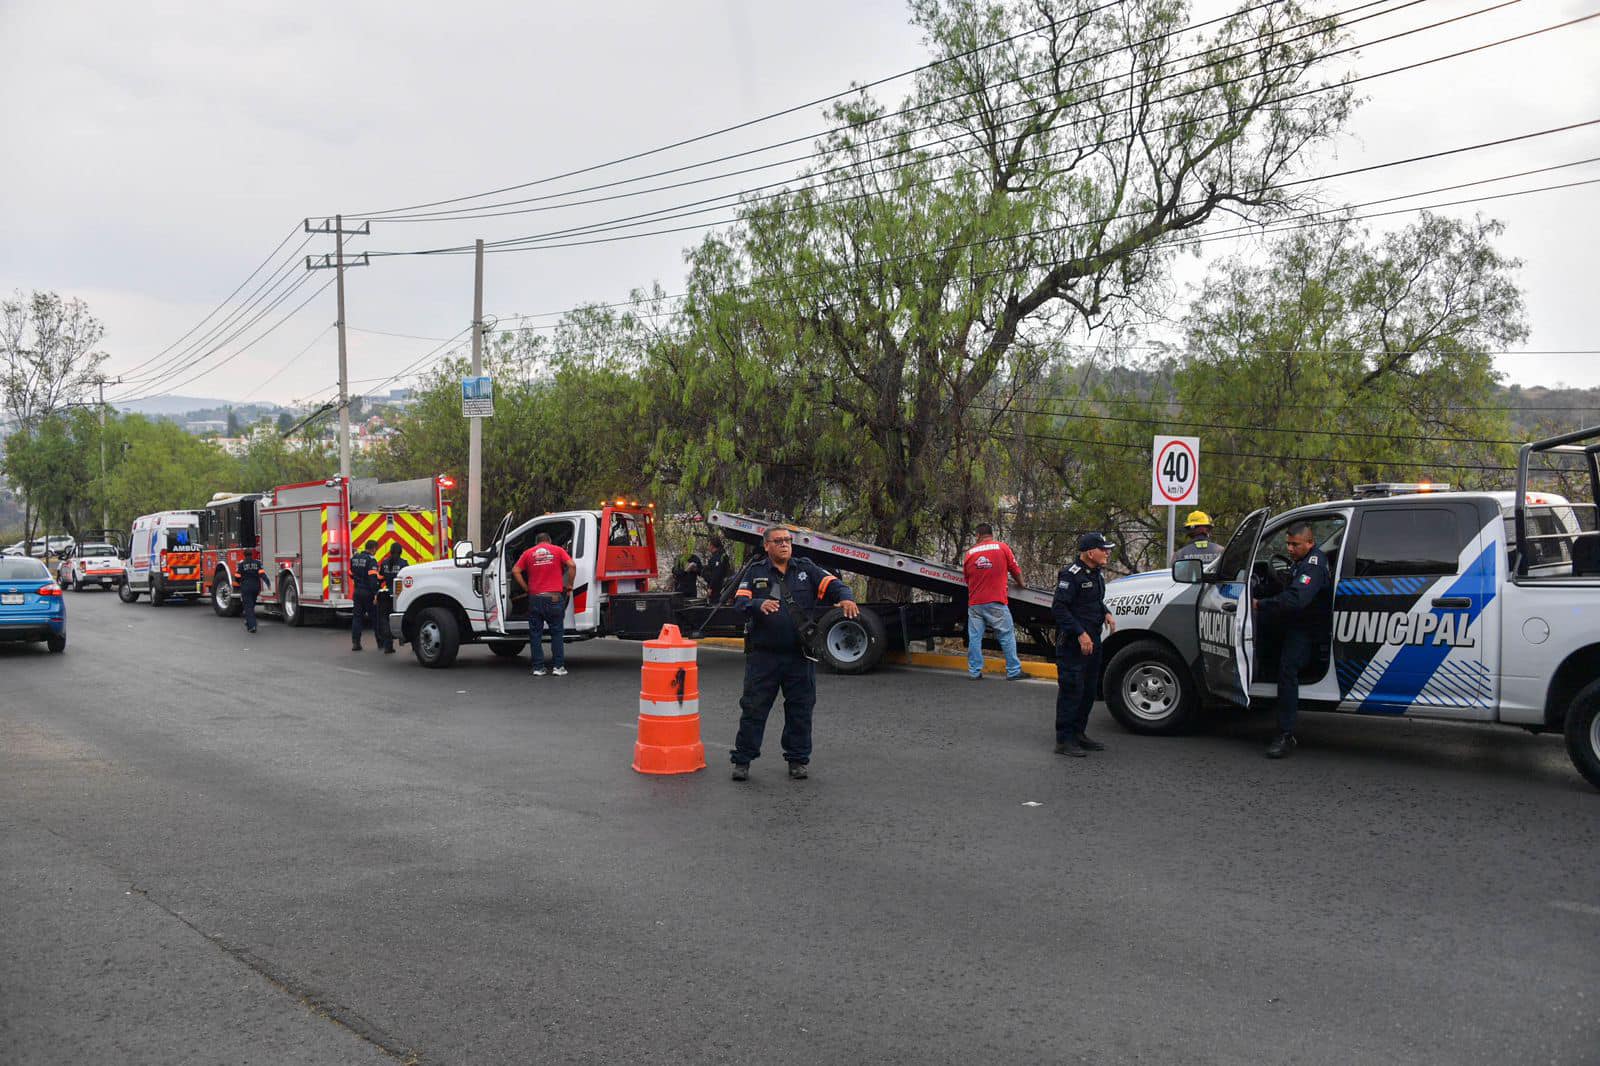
{"points": [[217, 848]]}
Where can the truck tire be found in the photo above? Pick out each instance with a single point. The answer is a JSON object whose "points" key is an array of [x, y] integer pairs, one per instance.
{"points": [[126, 592], [1583, 732], [158, 595], [223, 601], [438, 638], [289, 604], [507, 649], [1149, 690], [852, 645]]}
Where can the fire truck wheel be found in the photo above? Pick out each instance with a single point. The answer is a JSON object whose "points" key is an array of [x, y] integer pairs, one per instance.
{"points": [[126, 592], [438, 638], [507, 649], [852, 645], [1583, 732], [223, 601], [293, 613], [1149, 690]]}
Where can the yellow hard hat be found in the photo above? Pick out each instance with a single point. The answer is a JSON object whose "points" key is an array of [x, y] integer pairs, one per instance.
{"points": [[1197, 518]]}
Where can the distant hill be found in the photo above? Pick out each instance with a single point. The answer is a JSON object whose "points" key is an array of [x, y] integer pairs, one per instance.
{"points": [[171, 405]]}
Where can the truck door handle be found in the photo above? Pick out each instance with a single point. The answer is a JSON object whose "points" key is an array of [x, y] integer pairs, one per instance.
{"points": [[1230, 607], [1460, 603]]}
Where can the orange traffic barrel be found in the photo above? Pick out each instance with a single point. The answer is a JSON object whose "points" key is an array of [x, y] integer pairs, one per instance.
{"points": [[669, 707]]}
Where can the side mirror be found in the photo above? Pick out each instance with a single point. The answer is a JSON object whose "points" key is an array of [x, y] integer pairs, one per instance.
{"points": [[462, 554], [1189, 571]]}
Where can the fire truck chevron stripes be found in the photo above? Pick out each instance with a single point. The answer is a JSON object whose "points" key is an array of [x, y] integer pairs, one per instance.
{"points": [[325, 579], [414, 532]]}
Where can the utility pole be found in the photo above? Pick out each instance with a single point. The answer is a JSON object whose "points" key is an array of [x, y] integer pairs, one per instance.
{"points": [[335, 226], [475, 425], [105, 507]]}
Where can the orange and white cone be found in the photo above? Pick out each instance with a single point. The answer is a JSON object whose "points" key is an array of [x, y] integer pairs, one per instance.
{"points": [[669, 707]]}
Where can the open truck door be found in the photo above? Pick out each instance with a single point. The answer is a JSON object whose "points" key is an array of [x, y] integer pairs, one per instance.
{"points": [[494, 582], [1222, 614]]}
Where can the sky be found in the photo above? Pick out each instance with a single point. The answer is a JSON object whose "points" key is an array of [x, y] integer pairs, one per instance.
{"points": [[158, 152]]}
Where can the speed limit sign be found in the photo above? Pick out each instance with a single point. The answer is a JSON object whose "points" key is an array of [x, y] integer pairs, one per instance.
{"points": [[1175, 472]]}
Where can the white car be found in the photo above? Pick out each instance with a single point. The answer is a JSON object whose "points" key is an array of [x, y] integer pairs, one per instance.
{"points": [[90, 564]]}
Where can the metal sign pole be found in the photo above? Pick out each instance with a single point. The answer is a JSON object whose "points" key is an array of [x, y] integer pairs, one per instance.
{"points": [[1172, 532]]}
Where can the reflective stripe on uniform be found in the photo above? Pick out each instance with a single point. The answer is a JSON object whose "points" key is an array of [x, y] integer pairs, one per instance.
{"points": [[669, 708], [668, 655], [742, 592], [823, 586]]}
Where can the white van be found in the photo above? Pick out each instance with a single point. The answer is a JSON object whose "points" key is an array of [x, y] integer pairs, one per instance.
{"points": [[163, 557]]}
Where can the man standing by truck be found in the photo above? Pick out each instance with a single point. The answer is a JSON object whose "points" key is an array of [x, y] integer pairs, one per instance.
{"points": [[364, 591], [388, 574], [546, 572], [1200, 546], [715, 572], [252, 576], [775, 594], [1304, 613], [987, 565], [1080, 612]]}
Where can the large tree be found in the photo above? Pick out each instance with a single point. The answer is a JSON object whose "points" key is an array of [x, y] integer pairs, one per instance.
{"points": [[864, 325]]}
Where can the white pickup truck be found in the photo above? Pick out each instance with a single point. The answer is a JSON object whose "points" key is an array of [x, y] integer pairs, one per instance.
{"points": [[1473, 606]]}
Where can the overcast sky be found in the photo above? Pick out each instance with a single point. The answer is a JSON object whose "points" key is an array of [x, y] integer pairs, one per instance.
{"points": [[157, 152]]}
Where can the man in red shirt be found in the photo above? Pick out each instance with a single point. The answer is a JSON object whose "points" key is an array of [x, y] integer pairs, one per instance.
{"points": [[987, 565], [546, 572]]}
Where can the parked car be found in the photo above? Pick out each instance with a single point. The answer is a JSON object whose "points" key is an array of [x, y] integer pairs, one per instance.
{"points": [[31, 605], [90, 564]]}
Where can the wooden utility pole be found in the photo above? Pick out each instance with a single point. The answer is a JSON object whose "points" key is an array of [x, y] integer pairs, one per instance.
{"points": [[335, 226]]}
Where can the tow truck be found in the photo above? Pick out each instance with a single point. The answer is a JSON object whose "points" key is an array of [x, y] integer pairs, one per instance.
{"points": [[1468, 606], [469, 599]]}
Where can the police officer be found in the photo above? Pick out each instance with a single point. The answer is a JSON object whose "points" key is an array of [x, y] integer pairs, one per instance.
{"points": [[1303, 612], [686, 575], [1080, 612], [1200, 546], [364, 575], [715, 572], [388, 574], [775, 594], [252, 576]]}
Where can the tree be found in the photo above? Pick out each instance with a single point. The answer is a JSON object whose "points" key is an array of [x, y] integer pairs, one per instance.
{"points": [[869, 327]]}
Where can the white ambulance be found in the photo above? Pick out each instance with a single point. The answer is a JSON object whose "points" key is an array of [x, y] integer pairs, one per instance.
{"points": [[163, 557], [1473, 606]]}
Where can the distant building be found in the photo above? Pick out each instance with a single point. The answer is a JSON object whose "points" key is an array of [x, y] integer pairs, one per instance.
{"points": [[218, 426]]}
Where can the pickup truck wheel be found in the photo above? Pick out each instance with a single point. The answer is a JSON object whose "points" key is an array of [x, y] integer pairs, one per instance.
{"points": [[126, 592], [507, 649], [223, 601], [438, 638], [1583, 732], [852, 645], [289, 604], [1149, 690]]}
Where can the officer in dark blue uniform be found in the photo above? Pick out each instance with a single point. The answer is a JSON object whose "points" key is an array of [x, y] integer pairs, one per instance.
{"points": [[1303, 612], [364, 577], [775, 594], [252, 576], [388, 575], [1080, 612]]}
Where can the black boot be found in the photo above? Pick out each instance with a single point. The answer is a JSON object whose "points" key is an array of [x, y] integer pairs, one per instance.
{"points": [[741, 771], [1087, 743], [1070, 747], [1282, 745]]}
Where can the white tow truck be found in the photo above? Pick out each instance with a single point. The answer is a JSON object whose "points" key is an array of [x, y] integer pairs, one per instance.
{"points": [[1472, 606]]}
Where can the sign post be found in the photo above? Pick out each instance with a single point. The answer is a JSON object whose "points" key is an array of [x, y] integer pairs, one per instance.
{"points": [[1174, 480]]}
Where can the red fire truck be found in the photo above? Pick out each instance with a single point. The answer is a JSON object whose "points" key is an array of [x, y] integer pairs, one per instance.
{"points": [[306, 534]]}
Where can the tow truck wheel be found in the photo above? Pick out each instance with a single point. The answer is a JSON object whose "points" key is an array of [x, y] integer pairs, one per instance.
{"points": [[438, 638], [126, 592], [852, 645], [506, 649], [289, 604], [223, 601], [1583, 732], [1149, 690]]}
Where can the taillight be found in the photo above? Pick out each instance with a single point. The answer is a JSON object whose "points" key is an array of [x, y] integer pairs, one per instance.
{"points": [[50, 590]]}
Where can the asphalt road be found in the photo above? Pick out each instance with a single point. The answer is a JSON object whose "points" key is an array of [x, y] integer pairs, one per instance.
{"points": [[219, 848]]}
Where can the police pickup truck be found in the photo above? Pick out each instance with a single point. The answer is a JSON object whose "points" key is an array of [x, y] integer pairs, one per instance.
{"points": [[1471, 606]]}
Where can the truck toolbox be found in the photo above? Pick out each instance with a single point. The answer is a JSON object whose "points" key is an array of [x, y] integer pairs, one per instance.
{"points": [[640, 615]]}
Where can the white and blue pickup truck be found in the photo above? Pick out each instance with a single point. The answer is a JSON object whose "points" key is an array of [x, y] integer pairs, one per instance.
{"points": [[1471, 606]]}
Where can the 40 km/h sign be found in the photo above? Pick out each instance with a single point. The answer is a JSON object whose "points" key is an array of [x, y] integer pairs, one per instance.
{"points": [[1175, 472]]}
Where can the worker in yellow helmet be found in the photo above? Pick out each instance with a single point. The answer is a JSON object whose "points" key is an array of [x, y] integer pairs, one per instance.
{"points": [[1200, 546]]}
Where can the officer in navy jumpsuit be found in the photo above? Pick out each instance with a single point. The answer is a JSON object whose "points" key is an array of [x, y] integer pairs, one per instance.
{"points": [[774, 656], [364, 575], [388, 578], [252, 576], [1303, 612], [1079, 607]]}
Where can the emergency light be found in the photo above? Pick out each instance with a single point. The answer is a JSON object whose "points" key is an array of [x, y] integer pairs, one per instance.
{"points": [[1379, 489]]}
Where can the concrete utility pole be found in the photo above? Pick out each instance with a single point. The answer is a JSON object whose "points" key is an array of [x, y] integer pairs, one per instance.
{"points": [[335, 226], [475, 425], [105, 507]]}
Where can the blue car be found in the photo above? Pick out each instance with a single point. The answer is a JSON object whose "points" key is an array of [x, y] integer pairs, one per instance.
{"points": [[31, 605]]}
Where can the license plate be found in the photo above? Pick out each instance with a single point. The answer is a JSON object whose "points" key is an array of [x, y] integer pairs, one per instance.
{"points": [[11, 597], [183, 570]]}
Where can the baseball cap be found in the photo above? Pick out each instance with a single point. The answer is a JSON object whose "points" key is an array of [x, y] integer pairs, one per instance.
{"points": [[1090, 541]]}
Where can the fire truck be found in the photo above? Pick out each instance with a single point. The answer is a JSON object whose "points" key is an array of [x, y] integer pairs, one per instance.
{"points": [[306, 534], [470, 599]]}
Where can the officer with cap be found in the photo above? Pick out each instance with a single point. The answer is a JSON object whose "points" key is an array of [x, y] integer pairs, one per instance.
{"points": [[1304, 612], [388, 578], [364, 575], [1200, 546], [1080, 612], [252, 575]]}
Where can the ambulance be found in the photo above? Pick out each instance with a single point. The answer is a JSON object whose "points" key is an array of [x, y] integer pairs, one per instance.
{"points": [[163, 558], [1469, 606]]}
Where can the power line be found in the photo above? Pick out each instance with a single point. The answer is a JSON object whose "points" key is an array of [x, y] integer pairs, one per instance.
{"points": [[321, 333]]}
